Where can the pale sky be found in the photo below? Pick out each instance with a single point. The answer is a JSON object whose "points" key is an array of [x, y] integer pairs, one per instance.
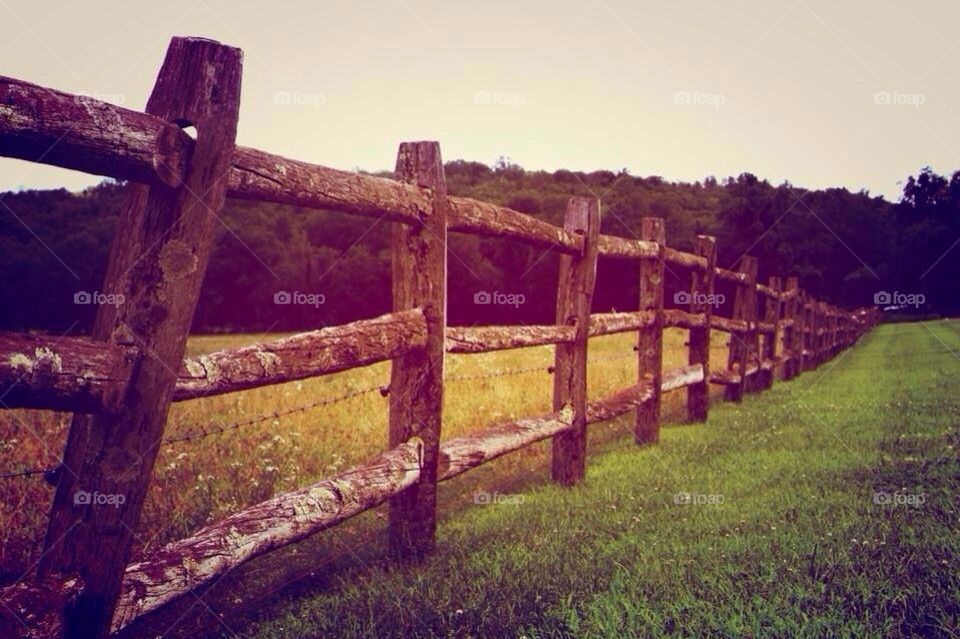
{"points": [[856, 94]]}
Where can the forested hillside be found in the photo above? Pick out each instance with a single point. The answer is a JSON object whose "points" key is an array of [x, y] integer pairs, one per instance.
{"points": [[845, 247]]}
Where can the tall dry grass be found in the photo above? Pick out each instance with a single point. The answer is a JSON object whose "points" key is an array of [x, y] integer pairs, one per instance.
{"points": [[200, 481]]}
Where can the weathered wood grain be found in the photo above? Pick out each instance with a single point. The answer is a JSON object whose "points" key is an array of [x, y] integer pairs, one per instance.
{"points": [[266, 177], [284, 519], [686, 260], [85, 134], [676, 317], [770, 331], [460, 454], [702, 284], [157, 263], [320, 352], [609, 323], [729, 325], [575, 285], [491, 220], [37, 608], [734, 277], [620, 402], [482, 339], [743, 346], [74, 374], [650, 338], [623, 248], [419, 272]]}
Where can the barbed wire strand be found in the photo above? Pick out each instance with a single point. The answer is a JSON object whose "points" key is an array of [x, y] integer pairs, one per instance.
{"points": [[217, 429], [383, 390]]}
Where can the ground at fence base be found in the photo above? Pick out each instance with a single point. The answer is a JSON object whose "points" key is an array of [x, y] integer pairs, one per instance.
{"points": [[798, 546]]}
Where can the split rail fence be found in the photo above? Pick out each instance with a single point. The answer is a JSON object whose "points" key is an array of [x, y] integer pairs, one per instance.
{"points": [[119, 382]]}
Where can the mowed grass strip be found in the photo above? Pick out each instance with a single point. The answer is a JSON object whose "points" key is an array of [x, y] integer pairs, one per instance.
{"points": [[824, 507]]}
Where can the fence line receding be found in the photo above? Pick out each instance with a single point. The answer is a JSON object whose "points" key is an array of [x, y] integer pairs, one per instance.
{"points": [[119, 382]]}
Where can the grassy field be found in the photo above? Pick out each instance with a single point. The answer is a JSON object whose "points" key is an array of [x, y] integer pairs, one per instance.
{"points": [[200, 481], [826, 507]]}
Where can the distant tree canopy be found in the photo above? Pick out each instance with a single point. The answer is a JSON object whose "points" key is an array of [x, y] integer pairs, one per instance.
{"points": [[844, 246]]}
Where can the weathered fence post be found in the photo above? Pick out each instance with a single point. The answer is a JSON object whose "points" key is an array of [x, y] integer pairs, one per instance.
{"points": [[743, 347], [574, 296], [419, 265], [650, 337], [771, 315], [157, 262], [701, 301], [832, 337], [805, 320], [793, 334], [821, 335]]}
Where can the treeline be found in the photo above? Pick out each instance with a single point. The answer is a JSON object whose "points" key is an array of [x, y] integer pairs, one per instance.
{"points": [[280, 268]]}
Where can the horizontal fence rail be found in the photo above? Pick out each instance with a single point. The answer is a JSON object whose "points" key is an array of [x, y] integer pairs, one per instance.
{"points": [[123, 378]]}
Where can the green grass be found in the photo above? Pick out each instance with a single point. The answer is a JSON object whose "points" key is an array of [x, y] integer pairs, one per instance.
{"points": [[797, 548], [198, 482]]}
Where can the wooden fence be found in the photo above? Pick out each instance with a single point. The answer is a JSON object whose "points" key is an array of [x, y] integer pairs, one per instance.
{"points": [[120, 382]]}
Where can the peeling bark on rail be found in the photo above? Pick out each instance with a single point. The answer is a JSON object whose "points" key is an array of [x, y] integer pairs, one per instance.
{"points": [[608, 323], [725, 377], [266, 177], [75, 374], [486, 219], [482, 339], [684, 259], [683, 319], [681, 377], [731, 276], [626, 399], [78, 132], [184, 565], [620, 402], [304, 355], [460, 454], [36, 609], [729, 325], [621, 247]]}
